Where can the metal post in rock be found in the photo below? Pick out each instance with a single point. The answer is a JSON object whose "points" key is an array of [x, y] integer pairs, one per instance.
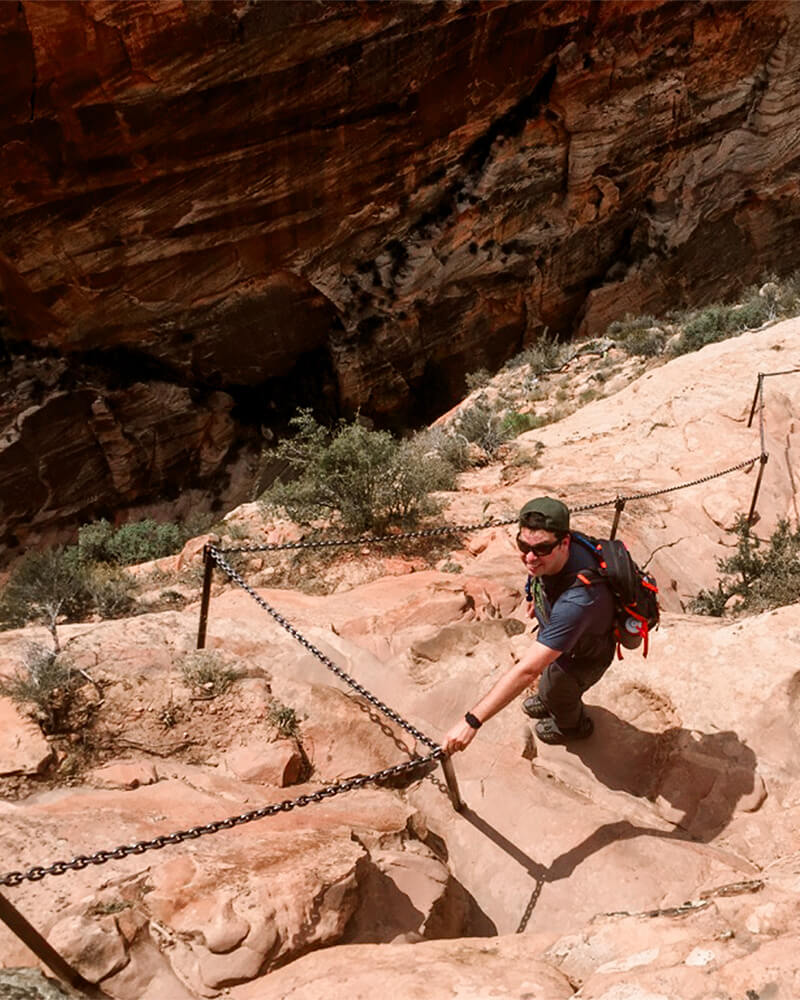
{"points": [[205, 600], [44, 951], [759, 384], [452, 784], [619, 506], [752, 514]]}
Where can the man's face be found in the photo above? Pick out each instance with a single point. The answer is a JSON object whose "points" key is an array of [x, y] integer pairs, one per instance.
{"points": [[532, 543]]}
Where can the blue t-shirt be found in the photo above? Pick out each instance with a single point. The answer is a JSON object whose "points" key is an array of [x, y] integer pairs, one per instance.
{"points": [[575, 612]]}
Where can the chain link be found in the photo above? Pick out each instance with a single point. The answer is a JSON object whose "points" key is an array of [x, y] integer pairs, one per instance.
{"points": [[214, 554], [369, 539], [459, 529], [81, 861], [694, 482]]}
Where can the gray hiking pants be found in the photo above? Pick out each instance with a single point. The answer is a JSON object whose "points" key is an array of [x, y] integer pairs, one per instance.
{"points": [[561, 687]]}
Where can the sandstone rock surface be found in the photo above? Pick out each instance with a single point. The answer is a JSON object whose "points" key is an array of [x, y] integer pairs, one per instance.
{"points": [[23, 748], [657, 859]]}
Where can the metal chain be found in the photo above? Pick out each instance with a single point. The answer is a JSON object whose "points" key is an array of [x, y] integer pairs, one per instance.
{"points": [[12, 879], [369, 539], [694, 482], [81, 861], [457, 529], [359, 688]]}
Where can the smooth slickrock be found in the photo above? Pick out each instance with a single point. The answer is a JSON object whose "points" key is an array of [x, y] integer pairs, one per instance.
{"points": [[659, 858], [469, 970], [271, 764], [123, 774], [23, 748]]}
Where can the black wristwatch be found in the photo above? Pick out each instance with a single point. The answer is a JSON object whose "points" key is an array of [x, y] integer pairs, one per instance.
{"points": [[472, 721]]}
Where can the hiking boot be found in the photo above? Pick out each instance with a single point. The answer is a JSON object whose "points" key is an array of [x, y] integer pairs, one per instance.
{"points": [[535, 707], [548, 731]]}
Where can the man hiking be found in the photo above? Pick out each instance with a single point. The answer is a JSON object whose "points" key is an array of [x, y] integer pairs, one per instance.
{"points": [[575, 642]]}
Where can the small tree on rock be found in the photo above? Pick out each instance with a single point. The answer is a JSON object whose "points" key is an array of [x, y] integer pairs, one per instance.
{"points": [[45, 587]]}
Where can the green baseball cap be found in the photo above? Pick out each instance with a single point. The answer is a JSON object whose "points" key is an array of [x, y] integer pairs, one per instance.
{"points": [[545, 514]]}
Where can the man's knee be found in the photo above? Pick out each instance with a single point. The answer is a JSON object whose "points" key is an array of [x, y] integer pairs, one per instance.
{"points": [[557, 688]]}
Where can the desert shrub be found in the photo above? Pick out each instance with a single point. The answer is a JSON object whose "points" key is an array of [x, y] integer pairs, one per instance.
{"points": [[515, 424], [718, 322], [645, 342], [139, 541], [705, 327], [111, 590], [477, 380], [206, 673], [481, 424], [450, 447], [710, 602], [752, 313], [285, 720], [545, 355], [46, 686], [787, 295], [45, 587], [415, 472], [365, 477], [94, 541], [761, 574], [623, 329]]}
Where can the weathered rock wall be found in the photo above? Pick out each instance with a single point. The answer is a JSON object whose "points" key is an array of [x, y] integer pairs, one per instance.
{"points": [[353, 204]]}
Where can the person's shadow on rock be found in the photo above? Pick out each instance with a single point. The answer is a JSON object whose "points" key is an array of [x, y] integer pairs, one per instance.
{"points": [[696, 781]]}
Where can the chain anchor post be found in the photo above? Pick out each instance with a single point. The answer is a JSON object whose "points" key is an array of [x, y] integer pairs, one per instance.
{"points": [[619, 506], [759, 384], [205, 600], [45, 952], [752, 513], [452, 784]]}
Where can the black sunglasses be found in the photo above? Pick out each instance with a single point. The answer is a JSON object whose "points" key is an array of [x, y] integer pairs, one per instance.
{"points": [[540, 549]]}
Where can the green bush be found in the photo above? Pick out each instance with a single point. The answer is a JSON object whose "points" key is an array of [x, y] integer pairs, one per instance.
{"points": [[415, 471], [111, 590], [94, 541], [477, 379], [623, 329], [546, 354], [481, 424], [514, 424], [710, 602], [719, 322], [761, 574], [139, 541], [45, 587], [641, 337], [364, 477], [206, 673], [285, 720], [449, 447], [46, 685]]}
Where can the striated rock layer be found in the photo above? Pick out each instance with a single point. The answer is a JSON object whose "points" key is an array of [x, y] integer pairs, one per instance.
{"points": [[215, 211]]}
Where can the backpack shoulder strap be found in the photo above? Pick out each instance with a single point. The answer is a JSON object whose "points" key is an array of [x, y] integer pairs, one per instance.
{"points": [[588, 576]]}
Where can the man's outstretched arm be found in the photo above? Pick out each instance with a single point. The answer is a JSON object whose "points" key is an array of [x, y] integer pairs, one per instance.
{"points": [[512, 683]]}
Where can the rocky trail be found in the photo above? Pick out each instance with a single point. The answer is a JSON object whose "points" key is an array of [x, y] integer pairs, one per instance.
{"points": [[658, 859]]}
